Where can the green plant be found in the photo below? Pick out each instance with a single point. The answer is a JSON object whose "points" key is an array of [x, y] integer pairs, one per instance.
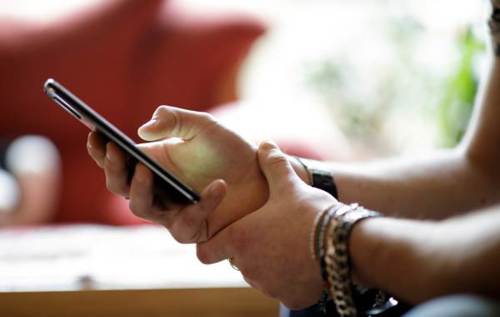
{"points": [[460, 88]]}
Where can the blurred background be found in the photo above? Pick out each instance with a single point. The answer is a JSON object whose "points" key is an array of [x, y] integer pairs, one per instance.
{"points": [[326, 79], [395, 77]]}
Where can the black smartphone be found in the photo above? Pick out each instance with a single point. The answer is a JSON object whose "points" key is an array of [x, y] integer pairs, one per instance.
{"points": [[167, 188]]}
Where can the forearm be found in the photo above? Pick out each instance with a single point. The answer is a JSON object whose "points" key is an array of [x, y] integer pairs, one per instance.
{"points": [[416, 260], [433, 187], [441, 184]]}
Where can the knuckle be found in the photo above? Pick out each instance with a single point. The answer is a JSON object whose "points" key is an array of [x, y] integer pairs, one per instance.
{"points": [[180, 237], [170, 120], [163, 112], [183, 234], [277, 159], [176, 121], [203, 254]]}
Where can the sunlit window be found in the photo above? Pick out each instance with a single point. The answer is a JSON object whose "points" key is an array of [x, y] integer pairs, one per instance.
{"points": [[375, 78]]}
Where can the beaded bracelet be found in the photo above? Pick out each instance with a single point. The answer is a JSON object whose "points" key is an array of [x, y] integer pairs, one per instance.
{"points": [[315, 233], [322, 219]]}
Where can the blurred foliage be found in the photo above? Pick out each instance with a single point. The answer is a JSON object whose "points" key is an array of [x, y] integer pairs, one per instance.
{"points": [[361, 105], [357, 118], [360, 99], [459, 91]]}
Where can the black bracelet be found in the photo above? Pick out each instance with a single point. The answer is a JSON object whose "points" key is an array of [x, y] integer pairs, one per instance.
{"points": [[320, 179]]}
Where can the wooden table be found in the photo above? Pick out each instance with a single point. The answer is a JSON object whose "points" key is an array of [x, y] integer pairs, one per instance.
{"points": [[107, 271]]}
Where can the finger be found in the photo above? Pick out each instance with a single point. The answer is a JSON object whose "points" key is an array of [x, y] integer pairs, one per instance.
{"points": [[222, 246], [191, 224], [96, 147], [174, 122], [141, 193], [275, 166], [115, 168]]}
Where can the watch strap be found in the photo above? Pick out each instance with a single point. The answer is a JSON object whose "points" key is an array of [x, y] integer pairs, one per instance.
{"points": [[324, 181], [318, 177]]}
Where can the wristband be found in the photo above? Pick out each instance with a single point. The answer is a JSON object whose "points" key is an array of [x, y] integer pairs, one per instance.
{"points": [[318, 177]]}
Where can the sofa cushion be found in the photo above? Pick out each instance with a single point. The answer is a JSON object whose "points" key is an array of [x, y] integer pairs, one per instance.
{"points": [[124, 58]]}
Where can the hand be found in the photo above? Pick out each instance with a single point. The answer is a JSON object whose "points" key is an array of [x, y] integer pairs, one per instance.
{"points": [[271, 246], [202, 152]]}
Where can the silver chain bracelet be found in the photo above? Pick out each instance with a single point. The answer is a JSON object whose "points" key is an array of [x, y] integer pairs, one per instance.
{"points": [[338, 260]]}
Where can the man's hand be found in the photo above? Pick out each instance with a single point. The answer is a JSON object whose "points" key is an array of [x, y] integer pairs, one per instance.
{"points": [[200, 152], [271, 246]]}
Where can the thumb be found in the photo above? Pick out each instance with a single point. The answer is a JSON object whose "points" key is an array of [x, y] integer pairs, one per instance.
{"points": [[275, 166], [170, 122]]}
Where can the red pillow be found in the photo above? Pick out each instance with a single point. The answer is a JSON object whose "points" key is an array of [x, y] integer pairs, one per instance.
{"points": [[124, 58]]}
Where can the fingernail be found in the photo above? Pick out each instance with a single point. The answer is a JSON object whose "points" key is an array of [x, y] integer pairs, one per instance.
{"points": [[143, 130], [216, 190]]}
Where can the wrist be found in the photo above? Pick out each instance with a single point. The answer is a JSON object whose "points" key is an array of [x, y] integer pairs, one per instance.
{"points": [[361, 249], [348, 295], [390, 254]]}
